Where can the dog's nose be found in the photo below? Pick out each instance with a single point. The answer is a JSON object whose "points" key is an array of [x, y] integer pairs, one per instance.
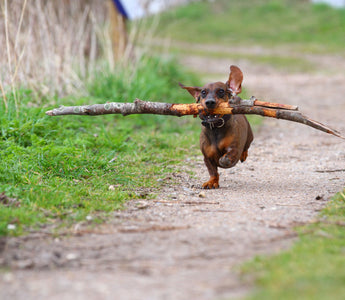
{"points": [[210, 103]]}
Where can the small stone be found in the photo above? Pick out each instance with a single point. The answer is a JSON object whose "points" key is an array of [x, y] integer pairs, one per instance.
{"points": [[8, 277], [142, 204], [11, 227], [202, 195], [71, 256], [89, 218], [24, 264]]}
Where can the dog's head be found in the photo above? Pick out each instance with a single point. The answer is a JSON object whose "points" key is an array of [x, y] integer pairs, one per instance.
{"points": [[211, 94]]}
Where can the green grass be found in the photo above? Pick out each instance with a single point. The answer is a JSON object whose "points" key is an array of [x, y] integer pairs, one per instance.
{"points": [[312, 27], [315, 266], [57, 170]]}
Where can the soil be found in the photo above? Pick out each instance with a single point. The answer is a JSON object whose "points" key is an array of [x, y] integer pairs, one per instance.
{"points": [[189, 243]]}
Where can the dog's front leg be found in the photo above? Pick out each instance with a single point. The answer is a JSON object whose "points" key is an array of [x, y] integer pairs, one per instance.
{"points": [[213, 182]]}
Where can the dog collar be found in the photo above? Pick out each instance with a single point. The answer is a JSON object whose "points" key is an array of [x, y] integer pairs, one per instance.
{"points": [[212, 123]]}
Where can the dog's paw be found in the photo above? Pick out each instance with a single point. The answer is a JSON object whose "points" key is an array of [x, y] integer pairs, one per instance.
{"points": [[225, 162], [244, 156], [211, 184]]}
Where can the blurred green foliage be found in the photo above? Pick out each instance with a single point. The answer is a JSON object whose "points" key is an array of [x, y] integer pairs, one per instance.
{"points": [[307, 26]]}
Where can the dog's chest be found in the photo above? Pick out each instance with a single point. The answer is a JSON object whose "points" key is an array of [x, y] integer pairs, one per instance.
{"points": [[219, 140]]}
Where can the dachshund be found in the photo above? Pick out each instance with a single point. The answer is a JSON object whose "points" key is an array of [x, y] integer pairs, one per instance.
{"points": [[224, 139]]}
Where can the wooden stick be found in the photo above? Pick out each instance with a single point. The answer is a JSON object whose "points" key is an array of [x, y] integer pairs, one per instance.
{"points": [[146, 107]]}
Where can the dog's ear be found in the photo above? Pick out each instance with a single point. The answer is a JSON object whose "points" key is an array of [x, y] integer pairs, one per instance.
{"points": [[235, 80], [193, 90]]}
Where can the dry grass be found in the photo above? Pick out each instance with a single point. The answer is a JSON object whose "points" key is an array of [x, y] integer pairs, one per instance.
{"points": [[50, 46], [54, 47]]}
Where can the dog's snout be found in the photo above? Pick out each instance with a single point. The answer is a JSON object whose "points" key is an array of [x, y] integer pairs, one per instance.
{"points": [[210, 103]]}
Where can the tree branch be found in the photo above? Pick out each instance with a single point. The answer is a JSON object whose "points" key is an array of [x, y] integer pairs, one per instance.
{"points": [[252, 106]]}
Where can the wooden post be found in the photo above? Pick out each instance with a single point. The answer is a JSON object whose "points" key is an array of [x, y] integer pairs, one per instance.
{"points": [[118, 31]]}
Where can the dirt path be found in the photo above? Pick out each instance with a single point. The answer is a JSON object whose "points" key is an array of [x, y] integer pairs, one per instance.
{"points": [[187, 245]]}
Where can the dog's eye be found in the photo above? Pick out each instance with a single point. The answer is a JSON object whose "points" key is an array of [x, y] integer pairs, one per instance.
{"points": [[221, 93], [203, 93]]}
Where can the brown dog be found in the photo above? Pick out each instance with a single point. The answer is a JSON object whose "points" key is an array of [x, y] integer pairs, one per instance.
{"points": [[224, 139]]}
